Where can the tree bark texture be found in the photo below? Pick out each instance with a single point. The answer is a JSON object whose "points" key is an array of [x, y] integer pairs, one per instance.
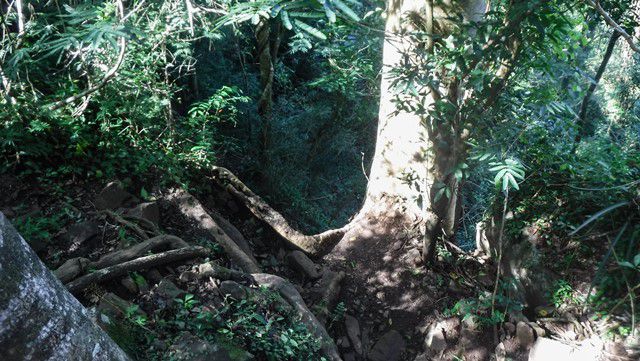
{"points": [[39, 318]]}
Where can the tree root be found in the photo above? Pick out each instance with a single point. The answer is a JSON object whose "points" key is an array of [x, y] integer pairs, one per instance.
{"points": [[330, 295], [232, 232], [137, 264], [150, 226], [288, 293], [190, 207], [75, 267], [315, 245], [292, 296], [134, 227]]}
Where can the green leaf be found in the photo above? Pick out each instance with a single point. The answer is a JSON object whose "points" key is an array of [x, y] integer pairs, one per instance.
{"points": [[626, 264], [513, 182], [345, 9], [331, 15], [285, 20], [310, 29], [499, 176], [636, 260]]}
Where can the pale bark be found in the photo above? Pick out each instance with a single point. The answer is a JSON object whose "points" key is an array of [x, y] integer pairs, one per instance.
{"points": [[39, 318], [315, 245], [410, 156]]}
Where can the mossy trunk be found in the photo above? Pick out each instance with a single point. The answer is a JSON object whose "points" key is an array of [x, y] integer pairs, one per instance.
{"points": [[39, 319]]}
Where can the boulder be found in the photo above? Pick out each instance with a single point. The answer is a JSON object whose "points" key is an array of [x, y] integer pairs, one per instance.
{"points": [[353, 331], [112, 307], [525, 335], [435, 342], [113, 196], [149, 211], [167, 291], [546, 349], [188, 347], [300, 262], [79, 237], [233, 289], [388, 348]]}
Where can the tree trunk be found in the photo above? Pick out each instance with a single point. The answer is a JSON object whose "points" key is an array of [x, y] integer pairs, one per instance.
{"points": [[265, 103], [411, 156], [39, 319], [584, 127]]}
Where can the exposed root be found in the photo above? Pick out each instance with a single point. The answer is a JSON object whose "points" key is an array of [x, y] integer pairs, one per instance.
{"points": [[330, 295], [139, 250], [75, 267], [134, 227], [232, 232], [315, 245], [292, 296], [288, 293], [150, 226], [190, 207], [137, 264], [211, 269]]}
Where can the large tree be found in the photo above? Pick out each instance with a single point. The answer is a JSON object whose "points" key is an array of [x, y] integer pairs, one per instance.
{"points": [[39, 318]]}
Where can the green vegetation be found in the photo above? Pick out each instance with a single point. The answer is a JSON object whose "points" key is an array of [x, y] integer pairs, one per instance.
{"points": [[529, 129]]}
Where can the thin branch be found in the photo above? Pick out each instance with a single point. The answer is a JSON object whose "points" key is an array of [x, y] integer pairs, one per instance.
{"points": [[107, 76], [609, 20], [582, 117]]}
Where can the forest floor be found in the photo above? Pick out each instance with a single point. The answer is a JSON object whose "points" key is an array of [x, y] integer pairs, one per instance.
{"points": [[373, 295]]}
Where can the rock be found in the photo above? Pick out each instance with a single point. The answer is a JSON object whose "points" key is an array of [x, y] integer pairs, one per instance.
{"points": [[509, 328], [233, 289], [539, 331], [349, 356], [435, 342], [79, 236], [188, 347], [300, 262], [422, 357], [501, 352], [546, 349], [130, 285], [167, 291], [149, 211], [616, 351], [388, 348], [113, 196], [525, 335], [188, 276], [112, 307], [154, 276], [344, 342], [353, 331], [71, 269]]}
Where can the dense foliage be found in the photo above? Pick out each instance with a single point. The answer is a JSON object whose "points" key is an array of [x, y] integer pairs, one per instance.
{"points": [[170, 88]]}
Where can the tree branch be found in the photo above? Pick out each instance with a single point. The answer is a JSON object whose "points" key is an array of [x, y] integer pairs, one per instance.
{"points": [[609, 20], [582, 116]]}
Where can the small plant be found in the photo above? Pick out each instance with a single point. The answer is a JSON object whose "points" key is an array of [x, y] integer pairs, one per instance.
{"points": [[563, 293], [338, 314]]}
